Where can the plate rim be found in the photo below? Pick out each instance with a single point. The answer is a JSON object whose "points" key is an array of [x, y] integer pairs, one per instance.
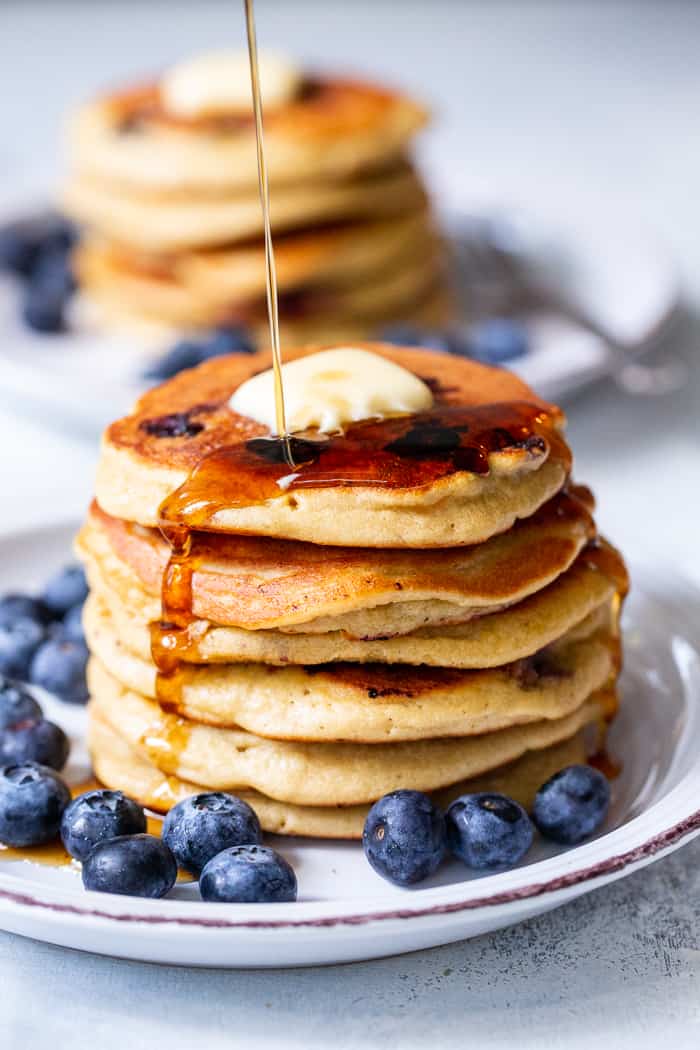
{"points": [[675, 818]]}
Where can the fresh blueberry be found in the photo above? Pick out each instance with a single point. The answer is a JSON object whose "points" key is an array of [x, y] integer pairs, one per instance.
{"points": [[18, 253], [201, 826], [44, 311], [53, 274], [185, 354], [97, 816], [34, 740], [494, 341], [248, 875], [23, 606], [66, 588], [572, 804], [59, 667], [488, 830], [19, 641], [32, 801], [404, 838], [134, 865], [16, 704], [23, 243], [231, 339], [72, 624], [410, 335]]}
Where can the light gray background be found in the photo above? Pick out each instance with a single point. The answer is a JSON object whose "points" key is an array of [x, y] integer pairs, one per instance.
{"points": [[577, 103]]}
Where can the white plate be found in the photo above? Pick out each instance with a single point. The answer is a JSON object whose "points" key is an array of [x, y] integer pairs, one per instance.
{"points": [[85, 379], [345, 911]]}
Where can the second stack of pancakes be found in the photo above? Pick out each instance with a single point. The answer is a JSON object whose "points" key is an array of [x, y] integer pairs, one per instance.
{"points": [[168, 203], [344, 642]]}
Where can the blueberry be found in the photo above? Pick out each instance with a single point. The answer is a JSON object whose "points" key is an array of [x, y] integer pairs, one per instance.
{"points": [[59, 667], [495, 341], [23, 243], [404, 837], [248, 875], [410, 335], [488, 830], [18, 253], [19, 641], [231, 339], [185, 354], [201, 826], [72, 624], [44, 310], [572, 804], [16, 704], [24, 606], [34, 740], [53, 274], [66, 588], [32, 801], [134, 865], [97, 816]]}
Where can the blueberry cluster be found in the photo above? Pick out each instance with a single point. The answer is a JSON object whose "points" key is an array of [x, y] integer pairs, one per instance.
{"points": [[406, 837], [41, 637], [187, 353], [492, 341], [37, 252], [214, 836]]}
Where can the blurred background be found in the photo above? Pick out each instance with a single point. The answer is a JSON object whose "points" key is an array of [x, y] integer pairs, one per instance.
{"points": [[579, 116]]}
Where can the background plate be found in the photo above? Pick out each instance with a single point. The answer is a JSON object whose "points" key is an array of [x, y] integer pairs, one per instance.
{"points": [[617, 273], [345, 911]]}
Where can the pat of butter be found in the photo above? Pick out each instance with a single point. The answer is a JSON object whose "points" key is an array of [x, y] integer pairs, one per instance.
{"points": [[219, 83], [327, 390]]}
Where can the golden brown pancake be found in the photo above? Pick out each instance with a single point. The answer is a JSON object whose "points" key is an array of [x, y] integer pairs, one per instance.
{"points": [[317, 774], [484, 641], [166, 222], [372, 703], [333, 129], [405, 501], [175, 297], [255, 583], [335, 255], [119, 767]]}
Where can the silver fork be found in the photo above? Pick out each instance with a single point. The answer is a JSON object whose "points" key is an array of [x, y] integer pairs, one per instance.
{"points": [[493, 278]]}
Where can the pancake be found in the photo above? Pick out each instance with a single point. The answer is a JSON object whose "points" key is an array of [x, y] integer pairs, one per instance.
{"points": [[256, 583], [157, 222], [413, 503], [333, 255], [108, 312], [371, 703], [119, 767], [488, 640], [335, 128], [168, 297], [326, 774]]}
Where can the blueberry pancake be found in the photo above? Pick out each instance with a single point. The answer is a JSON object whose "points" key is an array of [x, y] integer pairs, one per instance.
{"points": [[453, 497], [163, 182]]}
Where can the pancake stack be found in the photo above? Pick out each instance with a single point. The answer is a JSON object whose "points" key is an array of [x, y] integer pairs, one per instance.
{"points": [[445, 618], [168, 200]]}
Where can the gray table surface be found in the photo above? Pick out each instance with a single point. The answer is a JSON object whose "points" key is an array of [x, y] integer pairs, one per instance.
{"points": [[570, 102]]}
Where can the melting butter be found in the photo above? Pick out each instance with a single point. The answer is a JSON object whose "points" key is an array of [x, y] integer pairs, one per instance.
{"points": [[331, 388], [218, 83]]}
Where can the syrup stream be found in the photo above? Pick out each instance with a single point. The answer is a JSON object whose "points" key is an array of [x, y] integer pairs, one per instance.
{"points": [[270, 269]]}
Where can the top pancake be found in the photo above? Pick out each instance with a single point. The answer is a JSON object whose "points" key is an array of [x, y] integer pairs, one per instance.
{"points": [[333, 128], [402, 500]]}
